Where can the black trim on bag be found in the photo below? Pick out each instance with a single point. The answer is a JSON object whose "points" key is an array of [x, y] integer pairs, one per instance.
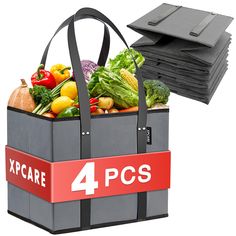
{"points": [[142, 206], [108, 115], [79, 228], [85, 213]]}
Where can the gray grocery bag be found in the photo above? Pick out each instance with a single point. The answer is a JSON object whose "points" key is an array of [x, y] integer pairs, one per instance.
{"points": [[185, 48], [84, 137]]}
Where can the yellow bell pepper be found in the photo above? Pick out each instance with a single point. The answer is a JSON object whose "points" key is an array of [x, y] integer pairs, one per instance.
{"points": [[60, 72]]}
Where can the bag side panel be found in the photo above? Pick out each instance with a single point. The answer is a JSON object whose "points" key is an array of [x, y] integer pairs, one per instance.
{"points": [[34, 136], [114, 136], [157, 203], [17, 137], [40, 138], [159, 123], [113, 209], [66, 140], [18, 201]]}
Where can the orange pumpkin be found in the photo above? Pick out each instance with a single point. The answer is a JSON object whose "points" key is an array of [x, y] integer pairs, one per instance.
{"points": [[21, 98]]}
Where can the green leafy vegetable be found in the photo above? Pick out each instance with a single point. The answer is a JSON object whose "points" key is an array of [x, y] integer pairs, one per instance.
{"points": [[156, 92], [108, 82], [41, 94], [111, 85], [124, 61]]}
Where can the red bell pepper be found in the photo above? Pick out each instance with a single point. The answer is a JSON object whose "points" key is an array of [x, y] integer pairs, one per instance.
{"points": [[44, 78], [93, 108], [92, 101]]}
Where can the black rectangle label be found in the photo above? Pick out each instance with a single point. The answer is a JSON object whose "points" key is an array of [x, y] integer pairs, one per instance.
{"points": [[149, 135]]}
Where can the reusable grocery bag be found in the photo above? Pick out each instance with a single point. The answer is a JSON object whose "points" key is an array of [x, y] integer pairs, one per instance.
{"points": [[185, 48], [85, 172]]}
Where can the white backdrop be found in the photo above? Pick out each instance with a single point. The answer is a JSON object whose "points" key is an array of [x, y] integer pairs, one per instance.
{"points": [[202, 199]]}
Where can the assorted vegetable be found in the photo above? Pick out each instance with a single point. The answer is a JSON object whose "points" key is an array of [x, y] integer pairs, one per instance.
{"points": [[99, 111], [112, 89], [49, 115], [69, 89], [130, 109], [88, 68], [61, 103], [41, 95], [105, 103], [60, 72], [69, 112], [43, 77], [124, 60], [112, 85], [113, 110], [43, 107], [21, 98], [129, 78], [156, 92]]}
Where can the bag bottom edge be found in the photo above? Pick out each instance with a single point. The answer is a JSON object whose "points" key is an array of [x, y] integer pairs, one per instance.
{"points": [[81, 229]]}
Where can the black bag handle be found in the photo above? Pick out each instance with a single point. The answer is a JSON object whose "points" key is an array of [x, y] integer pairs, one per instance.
{"points": [[85, 116], [82, 88], [105, 44]]}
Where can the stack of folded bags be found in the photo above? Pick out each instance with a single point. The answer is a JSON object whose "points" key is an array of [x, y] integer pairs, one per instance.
{"points": [[185, 48]]}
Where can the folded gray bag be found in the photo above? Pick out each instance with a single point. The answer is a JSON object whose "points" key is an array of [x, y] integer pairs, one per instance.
{"points": [[185, 48]]}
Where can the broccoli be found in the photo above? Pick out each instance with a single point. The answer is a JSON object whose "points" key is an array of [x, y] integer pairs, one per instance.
{"points": [[156, 92]]}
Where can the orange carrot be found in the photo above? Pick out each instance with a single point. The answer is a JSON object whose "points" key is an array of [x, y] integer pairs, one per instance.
{"points": [[130, 109], [49, 115]]}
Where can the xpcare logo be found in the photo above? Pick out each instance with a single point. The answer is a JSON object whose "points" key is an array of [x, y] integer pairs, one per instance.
{"points": [[27, 172]]}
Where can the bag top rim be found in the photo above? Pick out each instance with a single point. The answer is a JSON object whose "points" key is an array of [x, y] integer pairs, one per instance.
{"points": [[108, 115]]}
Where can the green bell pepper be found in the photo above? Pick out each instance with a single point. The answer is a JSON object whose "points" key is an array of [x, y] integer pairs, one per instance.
{"points": [[69, 112]]}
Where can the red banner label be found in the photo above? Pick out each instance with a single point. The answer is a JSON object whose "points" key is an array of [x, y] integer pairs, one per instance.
{"points": [[90, 178]]}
